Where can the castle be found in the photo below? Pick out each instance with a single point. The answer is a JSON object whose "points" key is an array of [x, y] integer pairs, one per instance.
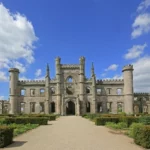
{"points": [[71, 93]]}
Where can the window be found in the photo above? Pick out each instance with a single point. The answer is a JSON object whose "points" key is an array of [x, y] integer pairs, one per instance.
{"points": [[87, 90], [23, 91], [145, 109], [119, 91], [109, 109], [41, 107], [22, 107], [99, 107], [119, 107], [42, 91], [52, 107], [69, 79], [108, 90], [52, 90], [88, 107], [32, 92], [99, 91], [32, 106], [69, 90]]}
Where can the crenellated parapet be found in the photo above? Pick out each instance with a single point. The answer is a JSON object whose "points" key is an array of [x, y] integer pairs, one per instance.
{"points": [[72, 66], [31, 82], [110, 81], [141, 94], [128, 67]]}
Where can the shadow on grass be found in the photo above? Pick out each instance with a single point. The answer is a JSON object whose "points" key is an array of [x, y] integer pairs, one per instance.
{"points": [[16, 144]]}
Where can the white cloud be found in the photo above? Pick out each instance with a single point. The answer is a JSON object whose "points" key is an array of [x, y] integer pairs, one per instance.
{"points": [[112, 67], [103, 74], [118, 76], [1, 97], [143, 5], [142, 74], [3, 77], [38, 72], [40, 78], [24, 78], [135, 51], [20, 66], [141, 25], [17, 37]]}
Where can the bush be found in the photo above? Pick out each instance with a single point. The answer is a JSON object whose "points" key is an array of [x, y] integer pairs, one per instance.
{"points": [[103, 120], [145, 120], [142, 136], [133, 129], [26, 120], [129, 119], [120, 125], [6, 136], [2, 121]]}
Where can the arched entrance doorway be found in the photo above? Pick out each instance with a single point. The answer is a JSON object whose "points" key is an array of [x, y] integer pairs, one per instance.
{"points": [[70, 108], [52, 107], [88, 107]]}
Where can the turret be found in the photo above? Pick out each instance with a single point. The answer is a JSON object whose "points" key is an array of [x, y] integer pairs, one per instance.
{"points": [[93, 90], [14, 73], [93, 82], [82, 65], [47, 89], [58, 78], [82, 75], [128, 88], [81, 84]]}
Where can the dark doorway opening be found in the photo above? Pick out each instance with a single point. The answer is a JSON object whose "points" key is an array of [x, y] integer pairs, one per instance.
{"points": [[70, 108], [52, 107], [88, 107]]}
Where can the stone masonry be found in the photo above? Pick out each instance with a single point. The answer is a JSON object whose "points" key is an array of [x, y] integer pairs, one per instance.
{"points": [[71, 93]]}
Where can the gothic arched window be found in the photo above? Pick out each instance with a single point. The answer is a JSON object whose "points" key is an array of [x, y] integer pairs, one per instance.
{"points": [[69, 79]]}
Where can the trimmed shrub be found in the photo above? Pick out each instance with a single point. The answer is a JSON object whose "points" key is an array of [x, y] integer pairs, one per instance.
{"points": [[26, 120], [2, 121], [142, 136], [129, 120], [145, 120], [133, 129], [120, 125], [6, 136], [50, 117], [103, 120]]}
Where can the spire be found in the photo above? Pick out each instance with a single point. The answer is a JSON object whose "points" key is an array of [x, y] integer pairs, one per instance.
{"points": [[47, 70], [92, 70]]}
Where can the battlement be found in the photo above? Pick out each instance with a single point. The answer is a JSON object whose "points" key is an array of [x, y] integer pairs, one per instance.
{"points": [[128, 67], [141, 94], [14, 70], [72, 66], [32, 81], [109, 81]]}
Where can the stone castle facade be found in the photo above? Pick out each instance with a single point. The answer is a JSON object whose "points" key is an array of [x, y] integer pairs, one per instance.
{"points": [[71, 93]]}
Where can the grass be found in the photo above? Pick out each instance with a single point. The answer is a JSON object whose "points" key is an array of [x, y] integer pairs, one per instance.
{"points": [[21, 128], [120, 125]]}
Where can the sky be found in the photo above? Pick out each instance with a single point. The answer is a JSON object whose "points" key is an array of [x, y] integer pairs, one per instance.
{"points": [[111, 34]]}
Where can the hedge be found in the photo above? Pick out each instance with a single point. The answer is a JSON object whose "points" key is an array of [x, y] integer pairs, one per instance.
{"points": [[129, 119], [145, 120], [6, 136], [103, 120], [48, 116], [26, 120], [142, 136]]}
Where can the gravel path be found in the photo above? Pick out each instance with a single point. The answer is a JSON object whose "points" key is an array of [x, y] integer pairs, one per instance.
{"points": [[72, 133]]}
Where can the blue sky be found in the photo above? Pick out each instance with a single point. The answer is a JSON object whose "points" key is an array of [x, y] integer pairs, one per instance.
{"points": [[109, 33]]}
